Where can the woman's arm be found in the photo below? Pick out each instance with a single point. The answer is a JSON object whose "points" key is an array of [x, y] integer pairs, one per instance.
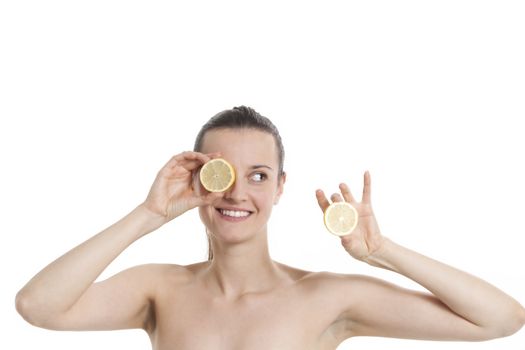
{"points": [[63, 295], [48, 297], [461, 306], [474, 299]]}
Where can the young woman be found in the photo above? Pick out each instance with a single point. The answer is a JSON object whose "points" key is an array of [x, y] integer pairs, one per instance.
{"points": [[240, 298]]}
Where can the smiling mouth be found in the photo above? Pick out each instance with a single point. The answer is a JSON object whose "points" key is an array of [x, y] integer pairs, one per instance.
{"points": [[234, 214]]}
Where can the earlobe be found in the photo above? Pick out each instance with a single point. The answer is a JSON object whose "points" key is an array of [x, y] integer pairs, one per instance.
{"points": [[276, 200], [281, 188]]}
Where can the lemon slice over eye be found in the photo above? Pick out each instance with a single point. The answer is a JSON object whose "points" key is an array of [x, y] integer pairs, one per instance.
{"points": [[340, 218], [217, 175]]}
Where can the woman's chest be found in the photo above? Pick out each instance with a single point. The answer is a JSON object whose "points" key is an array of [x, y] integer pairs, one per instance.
{"points": [[194, 321]]}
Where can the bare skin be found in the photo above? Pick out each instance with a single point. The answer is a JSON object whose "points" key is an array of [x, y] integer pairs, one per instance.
{"points": [[242, 299]]}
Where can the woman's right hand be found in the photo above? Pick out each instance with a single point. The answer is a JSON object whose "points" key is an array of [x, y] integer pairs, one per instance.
{"points": [[173, 192]]}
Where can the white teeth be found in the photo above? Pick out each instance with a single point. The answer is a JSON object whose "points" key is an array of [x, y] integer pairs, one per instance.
{"points": [[234, 213]]}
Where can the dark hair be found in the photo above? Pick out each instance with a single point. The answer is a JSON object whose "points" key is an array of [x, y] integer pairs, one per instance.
{"points": [[241, 117]]}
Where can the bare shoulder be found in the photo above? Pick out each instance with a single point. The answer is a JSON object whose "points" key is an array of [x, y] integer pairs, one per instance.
{"points": [[331, 282], [357, 281], [321, 280], [324, 283], [293, 273], [345, 288], [155, 270], [159, 274]]}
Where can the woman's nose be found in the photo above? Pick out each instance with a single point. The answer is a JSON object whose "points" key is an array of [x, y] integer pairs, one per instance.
{"points": [[237, 192]]}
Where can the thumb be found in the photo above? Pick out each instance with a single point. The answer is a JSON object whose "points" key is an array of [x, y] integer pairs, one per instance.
{"points": [[206, 199], [212, 197]]}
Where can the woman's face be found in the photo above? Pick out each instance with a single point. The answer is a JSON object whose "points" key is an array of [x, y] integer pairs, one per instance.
{"points": [[244, 209]]}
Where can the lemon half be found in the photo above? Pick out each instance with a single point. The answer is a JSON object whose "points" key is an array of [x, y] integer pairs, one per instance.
{"points": [[217, 175], [340, 218]]}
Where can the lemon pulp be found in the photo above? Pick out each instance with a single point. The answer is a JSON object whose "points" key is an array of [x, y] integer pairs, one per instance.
{"points": [[340, 218], [217, 175]]}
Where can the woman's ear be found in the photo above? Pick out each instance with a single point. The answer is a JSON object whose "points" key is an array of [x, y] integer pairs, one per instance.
{"points": [[280, 188]]}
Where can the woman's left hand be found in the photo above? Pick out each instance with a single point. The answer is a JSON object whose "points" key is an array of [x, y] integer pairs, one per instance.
{"points": [[366, 239]]}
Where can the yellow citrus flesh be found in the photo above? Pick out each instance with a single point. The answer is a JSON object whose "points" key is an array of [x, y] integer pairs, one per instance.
{"points": [[217, 175], [340, 218]]}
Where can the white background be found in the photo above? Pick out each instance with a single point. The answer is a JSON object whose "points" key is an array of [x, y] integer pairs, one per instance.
{"points": [[96, 96]]}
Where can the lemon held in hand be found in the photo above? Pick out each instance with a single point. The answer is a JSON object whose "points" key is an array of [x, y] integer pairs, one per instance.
{"points": [[340, 218], [217, 175]]}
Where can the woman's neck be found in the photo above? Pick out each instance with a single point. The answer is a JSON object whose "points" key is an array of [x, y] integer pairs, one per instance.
{"points": [[242, 268]]}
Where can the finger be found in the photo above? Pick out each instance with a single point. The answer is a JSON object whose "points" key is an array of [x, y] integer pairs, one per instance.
{"points": [[367, 190], [211, 197], [200, 158], [176, 159], [196, 185], [322, 200], [178, 162], [175, 171], [189, 160], [346, 240], [336, 197], [347, 195], [203, 160], [202, 200], [214, 155], [192, 156], [191, 165]]}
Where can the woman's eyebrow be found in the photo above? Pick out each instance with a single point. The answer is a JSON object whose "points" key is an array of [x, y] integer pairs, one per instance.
{"points": [[260, 166]]}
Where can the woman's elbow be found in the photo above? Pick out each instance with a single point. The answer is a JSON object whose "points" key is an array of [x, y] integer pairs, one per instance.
{"points": [[29, 310], [510, 325], [519, 320], [23, 306]]}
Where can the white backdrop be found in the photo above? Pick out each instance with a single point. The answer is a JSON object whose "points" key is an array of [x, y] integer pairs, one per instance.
{"points": [[96, 96]]}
